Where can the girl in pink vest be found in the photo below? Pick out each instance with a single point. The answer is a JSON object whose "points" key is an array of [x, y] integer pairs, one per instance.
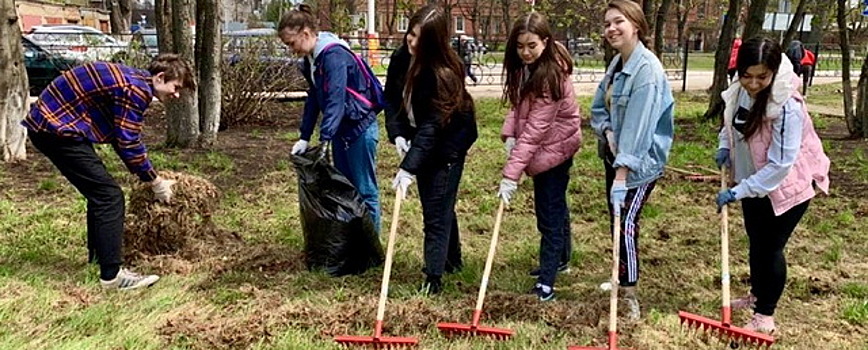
{"points": [[776, 159], [542, 133]]}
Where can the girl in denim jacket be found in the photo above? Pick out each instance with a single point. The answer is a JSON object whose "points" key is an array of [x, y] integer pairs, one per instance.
{"points": [[542, 133], [632, 117], [776, 157]]}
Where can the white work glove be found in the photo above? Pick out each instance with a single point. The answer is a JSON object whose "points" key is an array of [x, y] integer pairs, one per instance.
{"points": [[610, 139], [299, 147], [402, 182], [507, 188], [508, 145], [402, 146], [162, 189]]}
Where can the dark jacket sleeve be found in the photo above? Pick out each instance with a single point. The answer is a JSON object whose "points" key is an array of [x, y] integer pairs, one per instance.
{"points": [[335, 62], [428, 123], [397, 123], [311, 105]]}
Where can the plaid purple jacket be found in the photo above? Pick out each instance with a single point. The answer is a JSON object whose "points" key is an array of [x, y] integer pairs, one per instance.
{"points": [[100, 102]]}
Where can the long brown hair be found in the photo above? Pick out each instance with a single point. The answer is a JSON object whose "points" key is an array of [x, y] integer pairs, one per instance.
{"points": [[633, 12], [434, 52], [758, 50], [546, 73]]}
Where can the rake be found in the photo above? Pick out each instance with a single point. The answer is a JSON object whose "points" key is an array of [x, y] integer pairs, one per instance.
{"points": [[378, 341], [613, 294], [474, 329], [724, 328]]}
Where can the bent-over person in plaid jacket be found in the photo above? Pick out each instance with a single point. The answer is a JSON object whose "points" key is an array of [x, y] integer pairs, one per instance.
{"points": [[103, 102]]}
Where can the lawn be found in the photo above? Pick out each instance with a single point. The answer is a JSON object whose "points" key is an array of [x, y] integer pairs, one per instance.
{"points": [[258, 295]]}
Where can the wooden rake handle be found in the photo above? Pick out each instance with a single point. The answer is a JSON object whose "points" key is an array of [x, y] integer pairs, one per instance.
{"points": [[613, 294], [390, 251], [724, 255], [489, 261]]}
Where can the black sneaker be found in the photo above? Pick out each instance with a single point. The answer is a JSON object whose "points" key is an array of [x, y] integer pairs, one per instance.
{"points": [[562, 268], [432, 285], [543, 292]]}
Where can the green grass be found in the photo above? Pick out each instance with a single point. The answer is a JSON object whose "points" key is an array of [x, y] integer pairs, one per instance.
{"points": [[50, 299]]}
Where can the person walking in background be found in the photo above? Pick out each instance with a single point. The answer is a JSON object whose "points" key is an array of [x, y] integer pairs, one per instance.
{"points": [[809, 63], [466, 49], [333, 75], [104, 102], [733, 53], [632, 115], [542, 133], [442, 124], [777, 161]]}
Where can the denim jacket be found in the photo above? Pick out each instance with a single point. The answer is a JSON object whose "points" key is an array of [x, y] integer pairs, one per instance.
{"points": [[641, 115]]}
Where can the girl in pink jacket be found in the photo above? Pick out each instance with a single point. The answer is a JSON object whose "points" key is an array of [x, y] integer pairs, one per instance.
{"points": [[542, 133], [777, 159]]}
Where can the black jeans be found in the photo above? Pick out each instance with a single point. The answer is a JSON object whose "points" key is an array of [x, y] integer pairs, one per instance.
{"points": [[768, 236], [468, 71], [79, 163], [628, 270], [552, 220], [438, 191]]}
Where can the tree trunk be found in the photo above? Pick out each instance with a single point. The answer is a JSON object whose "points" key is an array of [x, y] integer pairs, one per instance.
{"points": [[648, 10], [793, 29], [862, 98], [13, 85], [182, 114], [660, 26], [721, 60], [683, 10], [119, 17], [208, 39], [163, 22], [756, 14], [854, 125]]}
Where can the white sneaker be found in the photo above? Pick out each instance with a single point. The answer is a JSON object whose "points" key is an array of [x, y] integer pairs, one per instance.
{"points": [[128, 280], [761, 324], [628, 294]]}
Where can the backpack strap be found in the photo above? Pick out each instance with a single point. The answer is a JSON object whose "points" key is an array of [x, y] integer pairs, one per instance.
{"points": [[362, 67]]}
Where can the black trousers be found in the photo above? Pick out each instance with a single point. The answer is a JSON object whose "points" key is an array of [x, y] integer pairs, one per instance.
{"points": [[552, 220], [79, 163], [438, 192], [628, 270], [768, 236]]}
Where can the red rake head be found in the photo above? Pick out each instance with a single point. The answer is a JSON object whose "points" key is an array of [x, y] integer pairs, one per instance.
{"points": [[460, 329], [376, 343], [727, 332]]}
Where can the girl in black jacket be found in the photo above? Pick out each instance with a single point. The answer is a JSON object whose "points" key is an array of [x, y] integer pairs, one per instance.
{"points": [[442, 125]]}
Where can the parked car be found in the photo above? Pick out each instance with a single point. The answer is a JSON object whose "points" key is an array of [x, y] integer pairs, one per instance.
{"points": [[43, 66], [145, 41], [78, 42], [582, 46]]}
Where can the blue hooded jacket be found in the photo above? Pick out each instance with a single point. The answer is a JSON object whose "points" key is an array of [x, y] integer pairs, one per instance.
{"points": [[329, 71]]}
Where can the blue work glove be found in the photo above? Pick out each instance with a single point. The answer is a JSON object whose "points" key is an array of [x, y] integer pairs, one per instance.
{"points": [[722, 158], [725, 197], [618, 195]]}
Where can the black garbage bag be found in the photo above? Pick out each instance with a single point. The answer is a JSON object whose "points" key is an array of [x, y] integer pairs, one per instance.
{"points": [[339, 234]]}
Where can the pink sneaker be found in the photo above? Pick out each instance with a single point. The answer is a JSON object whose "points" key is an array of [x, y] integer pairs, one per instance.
{"points": [[761, 324], [746, 302]]}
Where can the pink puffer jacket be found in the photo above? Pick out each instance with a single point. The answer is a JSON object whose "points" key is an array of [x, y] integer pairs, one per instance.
{"points": [[547, 133]]}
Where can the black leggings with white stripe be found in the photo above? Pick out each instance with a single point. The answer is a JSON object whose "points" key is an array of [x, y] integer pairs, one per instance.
{"points": [[628, 273]]}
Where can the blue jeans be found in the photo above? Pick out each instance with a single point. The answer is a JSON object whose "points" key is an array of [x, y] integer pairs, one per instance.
{"points": [[552, 219], [358, 162], [438, 192]]}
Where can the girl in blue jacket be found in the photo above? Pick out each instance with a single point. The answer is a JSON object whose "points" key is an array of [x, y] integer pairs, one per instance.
{"points": [[632, 117], [338, 88]]}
